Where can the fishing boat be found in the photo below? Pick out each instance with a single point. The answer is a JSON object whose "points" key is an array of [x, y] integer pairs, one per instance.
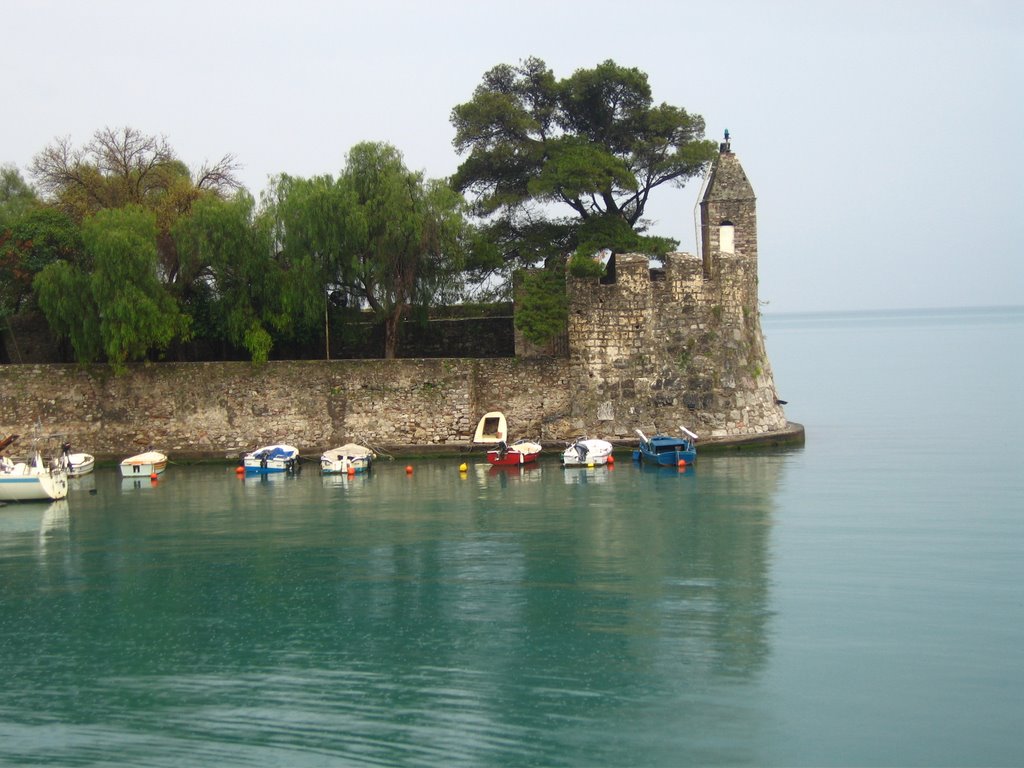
{"points": [[76, 464], [144, 464], [492, 429], [519, 452], [32, 480], [347, 459], [587, 452], [666, 450], [271, 459]]}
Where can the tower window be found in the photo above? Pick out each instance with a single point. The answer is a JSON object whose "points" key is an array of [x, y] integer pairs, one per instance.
{"points": [[726, 241]]}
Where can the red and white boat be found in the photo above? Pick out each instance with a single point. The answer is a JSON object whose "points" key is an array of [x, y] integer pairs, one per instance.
{"points": [[520, 452], [492, 429]]}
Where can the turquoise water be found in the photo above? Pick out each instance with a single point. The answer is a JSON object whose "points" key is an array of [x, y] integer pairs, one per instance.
{"points": [[857, 601]]}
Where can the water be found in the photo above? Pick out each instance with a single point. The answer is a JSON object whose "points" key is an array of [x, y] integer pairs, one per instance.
{"points": [[857, 601]]}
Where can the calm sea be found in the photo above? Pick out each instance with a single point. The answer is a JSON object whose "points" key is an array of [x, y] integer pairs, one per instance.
{"points": [[856, 601]]}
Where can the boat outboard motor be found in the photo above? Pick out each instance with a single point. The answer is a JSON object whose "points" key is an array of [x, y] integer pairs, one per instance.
{"points": [[502, 449]]}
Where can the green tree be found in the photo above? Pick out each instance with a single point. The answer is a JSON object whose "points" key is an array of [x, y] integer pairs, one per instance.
{"points": [[123, 309], [380, 233], [16, 196], [416, 237], [593, 145], [123, 166], [37, 237], [225, 250]]}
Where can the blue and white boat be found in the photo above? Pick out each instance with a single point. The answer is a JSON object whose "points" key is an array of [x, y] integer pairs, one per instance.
{"points": [[667, 451], [270, 459], [32, 479]]}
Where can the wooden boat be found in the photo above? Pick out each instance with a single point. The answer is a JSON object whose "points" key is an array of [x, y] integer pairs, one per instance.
{"points": [[33, 480], [76, 464], [346, 459], [587, 452], [272, 458], [667, 451], [144, 464], [492, 429], [520, 452]]}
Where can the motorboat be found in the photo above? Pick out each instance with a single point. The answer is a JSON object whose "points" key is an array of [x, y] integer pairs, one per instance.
{"points": [[347, 459], [667, 450], [492, 429], [32, 480], [272, 459], [76, 464], [144, 464], [519, 452], [587, 452]]}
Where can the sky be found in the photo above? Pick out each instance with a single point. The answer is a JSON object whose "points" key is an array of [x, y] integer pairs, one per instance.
{"points": [[878, 136]]}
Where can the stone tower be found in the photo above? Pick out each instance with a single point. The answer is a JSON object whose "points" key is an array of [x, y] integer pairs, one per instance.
{"points": [[681, 344], [728, 214]]}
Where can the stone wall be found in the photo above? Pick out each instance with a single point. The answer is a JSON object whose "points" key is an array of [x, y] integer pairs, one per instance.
{"points": [[220, 409]]}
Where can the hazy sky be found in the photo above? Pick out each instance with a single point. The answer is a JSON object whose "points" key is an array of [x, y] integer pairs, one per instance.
{"points": [[881, 138]]}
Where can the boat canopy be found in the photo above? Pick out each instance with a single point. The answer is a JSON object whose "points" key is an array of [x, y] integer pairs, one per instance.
{"points": [[491, 429]]}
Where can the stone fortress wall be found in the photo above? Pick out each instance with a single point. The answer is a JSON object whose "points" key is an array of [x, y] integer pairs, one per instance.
{"points": [[648, 349]]}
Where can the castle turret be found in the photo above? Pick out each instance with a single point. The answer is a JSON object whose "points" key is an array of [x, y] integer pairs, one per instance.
{"points": [[728, 214]]}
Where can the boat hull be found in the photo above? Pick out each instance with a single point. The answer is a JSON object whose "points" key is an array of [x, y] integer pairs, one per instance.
{"points": [[587, 453], [666, 452], [520, 452], [79, 464], [348, 459], [32, 482], [144, 464], [271, 459]]}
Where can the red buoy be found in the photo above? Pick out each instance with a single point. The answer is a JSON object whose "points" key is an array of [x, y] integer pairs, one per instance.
{"points": [[408, 469], [682, 462]]}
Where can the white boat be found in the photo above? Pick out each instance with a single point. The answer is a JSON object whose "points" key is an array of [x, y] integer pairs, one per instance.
{"points": [[587, 452], [144, 464], [346, 460], [76, 464], [272, 458], [491, 429], [34, 480]]}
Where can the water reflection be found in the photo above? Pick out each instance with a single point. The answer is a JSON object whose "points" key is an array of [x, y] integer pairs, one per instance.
{"points": [[498, 615]]}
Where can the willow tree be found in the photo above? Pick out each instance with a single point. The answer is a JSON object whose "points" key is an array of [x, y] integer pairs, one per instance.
{"points": [[225, 250], [569, 165], [119, 309], [380, 233]]}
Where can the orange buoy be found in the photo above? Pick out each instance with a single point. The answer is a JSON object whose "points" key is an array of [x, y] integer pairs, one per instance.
{"points": [[239, 470], [611, 459], [408, 469], [682, 462], [153, 477], [351, 470]]}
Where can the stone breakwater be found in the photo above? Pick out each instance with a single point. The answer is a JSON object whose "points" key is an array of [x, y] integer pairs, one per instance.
{"points": [[217, 410]]}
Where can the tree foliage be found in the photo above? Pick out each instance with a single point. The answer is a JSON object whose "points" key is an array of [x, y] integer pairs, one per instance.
{"points": [[119, 167], [380, 234], [235, 281], [594, 145], [119, 308], [37, 237]]}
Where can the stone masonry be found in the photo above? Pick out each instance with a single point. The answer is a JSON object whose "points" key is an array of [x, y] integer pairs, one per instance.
{"points": [[652, 349]]}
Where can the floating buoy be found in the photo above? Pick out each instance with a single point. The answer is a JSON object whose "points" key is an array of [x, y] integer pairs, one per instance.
{"points": [[463, 467], [408, 469], [682, 462], [590, 465], [153, 477], [239, 470], [611, 459], [351, 470]]}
